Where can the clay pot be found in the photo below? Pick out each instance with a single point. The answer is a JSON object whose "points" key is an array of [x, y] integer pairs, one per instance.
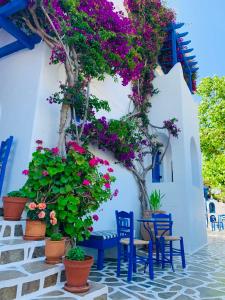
{"points": [[77, 273], [54, 251], [35, 230], [13, 207]]}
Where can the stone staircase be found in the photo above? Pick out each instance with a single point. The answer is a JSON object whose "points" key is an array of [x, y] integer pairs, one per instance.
{"points": [[24, 274]]}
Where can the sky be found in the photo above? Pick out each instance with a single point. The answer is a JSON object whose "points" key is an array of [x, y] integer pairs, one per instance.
{"points": [[205, 22]]}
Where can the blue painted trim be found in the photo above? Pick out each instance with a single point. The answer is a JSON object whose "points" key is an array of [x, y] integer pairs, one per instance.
{"points": [[156, 169], [16, 32], [4, 155], [13, 7]]}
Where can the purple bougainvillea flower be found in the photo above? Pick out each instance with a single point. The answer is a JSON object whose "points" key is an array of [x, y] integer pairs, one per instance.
{"points": [[25, 172], [39, 142], [95, 217]]}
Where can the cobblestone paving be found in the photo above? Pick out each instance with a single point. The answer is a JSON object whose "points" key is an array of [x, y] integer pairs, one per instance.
{"points": [[204, 277]]}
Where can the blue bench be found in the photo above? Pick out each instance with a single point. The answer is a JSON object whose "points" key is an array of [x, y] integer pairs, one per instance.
{"points": [[101, 240]]}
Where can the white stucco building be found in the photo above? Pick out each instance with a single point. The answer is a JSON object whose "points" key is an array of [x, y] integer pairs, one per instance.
{"points": [[26, 80]]}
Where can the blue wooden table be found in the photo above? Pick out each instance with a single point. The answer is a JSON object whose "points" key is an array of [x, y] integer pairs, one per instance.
{"points": [[152, 220]]}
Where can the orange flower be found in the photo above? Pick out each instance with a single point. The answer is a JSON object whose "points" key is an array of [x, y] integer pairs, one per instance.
{"points": [[42, 205], [53, 221], [32, 206], [41, 215]]}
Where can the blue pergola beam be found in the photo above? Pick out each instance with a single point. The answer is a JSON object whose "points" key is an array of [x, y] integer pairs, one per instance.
{"points": [[16, 32], [11, 48], [13, 7], [184, 43], [180, 35], [184, 51]]}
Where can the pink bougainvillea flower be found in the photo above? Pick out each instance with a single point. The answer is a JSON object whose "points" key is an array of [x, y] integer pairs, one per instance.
{"points": [[90, 229], [110, 170], [107, 185], [25, 172], [53, 221], [32, 206], [55, 151], [41, 215], [42, 206], [106, 162], [45, 173], [79, 174], [52, 214], [106, 176], [116, 192], [39, 142], [86, 182], [39, 148], [93, 162], [95, 217], [77, 148]]}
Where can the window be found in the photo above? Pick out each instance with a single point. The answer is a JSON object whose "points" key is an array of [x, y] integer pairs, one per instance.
{"points": [[156, 170], [212, 208]]}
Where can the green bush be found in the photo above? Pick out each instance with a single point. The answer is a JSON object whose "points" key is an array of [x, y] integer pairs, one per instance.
{"points": [[19, 193], [76, 254], [155, 200]]}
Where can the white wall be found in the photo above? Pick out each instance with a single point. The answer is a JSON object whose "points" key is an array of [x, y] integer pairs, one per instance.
{"points": [[26, 80]]}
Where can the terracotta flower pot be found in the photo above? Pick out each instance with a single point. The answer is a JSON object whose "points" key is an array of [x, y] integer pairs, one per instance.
{"points": [[13, 207], [35, 230], [54, 251], [77, 273]]}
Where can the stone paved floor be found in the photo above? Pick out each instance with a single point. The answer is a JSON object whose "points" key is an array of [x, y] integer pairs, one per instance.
{"points": [[204, 277]]}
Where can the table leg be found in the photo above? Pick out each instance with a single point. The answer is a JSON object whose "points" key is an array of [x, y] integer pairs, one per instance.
{"points": [[100, 262]]}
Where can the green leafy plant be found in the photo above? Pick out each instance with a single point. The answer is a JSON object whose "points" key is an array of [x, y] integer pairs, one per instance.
{"points": [[20, 193], [56, 237], [76, 254], [155, 200], [66, 191]]}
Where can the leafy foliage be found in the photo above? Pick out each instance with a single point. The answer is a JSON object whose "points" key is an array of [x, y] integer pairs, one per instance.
{"points": [[56, 237], [76, 253], [155, 200], [72, 187], [212, 130], [20, 193]]}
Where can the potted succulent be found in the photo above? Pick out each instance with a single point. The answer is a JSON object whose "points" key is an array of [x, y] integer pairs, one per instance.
{"points": [[38, 215], [14, 204], [55, 248], [77, 268]]}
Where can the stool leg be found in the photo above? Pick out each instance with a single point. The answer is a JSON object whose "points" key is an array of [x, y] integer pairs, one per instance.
{"points": [[134, 260], [182, 253], [125, 253], [162, 245], [100, 263], [150, 260], [130, 263], [171, 255], [118, 258]]}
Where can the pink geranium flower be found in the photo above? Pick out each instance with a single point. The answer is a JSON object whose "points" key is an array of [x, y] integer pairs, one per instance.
{"points": [[32, 206], [106, 176], [45, 173], [107, 185], [93, 162], [55, 151], [52, 214], [106, 162], [39, 148], [53, 221], [110, 170], [95, 217], [90, 229], [76, 147], [41, 215], [25, 172], [86, 182], [42, 206]]}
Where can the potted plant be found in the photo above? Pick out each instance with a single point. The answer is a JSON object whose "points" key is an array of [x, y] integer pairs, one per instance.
{"points": [[77, 268], [155, 203], [14, 204], [38, 215], [55, 248]]}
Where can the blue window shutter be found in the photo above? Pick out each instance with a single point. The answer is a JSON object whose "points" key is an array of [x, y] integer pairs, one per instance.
{"points": [[156, 170]]}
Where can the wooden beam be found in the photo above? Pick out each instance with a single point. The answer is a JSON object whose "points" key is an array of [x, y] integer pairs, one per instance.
{"points": [[11, 48]]}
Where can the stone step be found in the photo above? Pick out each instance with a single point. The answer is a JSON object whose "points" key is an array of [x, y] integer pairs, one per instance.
{"points": [[18, 251], [97, 291], [11, 229], [29, 279]]}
